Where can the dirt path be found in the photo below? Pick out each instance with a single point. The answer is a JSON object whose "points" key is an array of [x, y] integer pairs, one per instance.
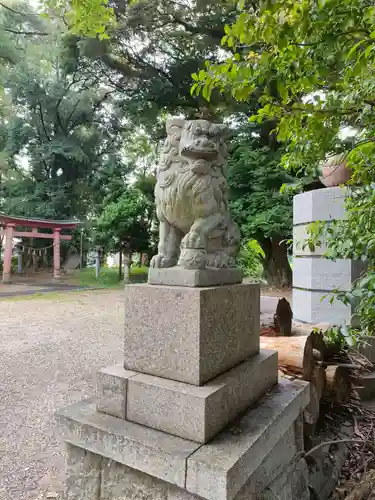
{"points": [[50, 351]]}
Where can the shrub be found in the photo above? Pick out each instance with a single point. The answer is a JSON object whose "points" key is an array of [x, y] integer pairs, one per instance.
{"points": [[250, 259]]}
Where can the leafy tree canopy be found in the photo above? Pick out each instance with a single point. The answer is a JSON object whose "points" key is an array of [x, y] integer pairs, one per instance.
{"points": [[60, 130], [261, 210], [124, 224], [320, 58], [151, 52]]}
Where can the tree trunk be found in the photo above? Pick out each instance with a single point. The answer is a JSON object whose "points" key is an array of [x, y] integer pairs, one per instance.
{"points": [[276, 265], [127, 266], [120, 266]]}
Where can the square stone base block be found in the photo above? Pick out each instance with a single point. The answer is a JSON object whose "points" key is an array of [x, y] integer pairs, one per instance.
{"points": [[320, 274], [188, 411], [178, 276], [229, 467], [314, 307], [190, 334], [94, 477]]}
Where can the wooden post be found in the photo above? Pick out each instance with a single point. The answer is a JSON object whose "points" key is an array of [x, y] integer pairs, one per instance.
{"points": [[120, 265], [7, 264], [19, 259], [97, 263], [56, 253], [81, 252]]}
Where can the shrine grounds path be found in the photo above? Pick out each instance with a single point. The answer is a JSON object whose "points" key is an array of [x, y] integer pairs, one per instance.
{"points": [[50, 351]]}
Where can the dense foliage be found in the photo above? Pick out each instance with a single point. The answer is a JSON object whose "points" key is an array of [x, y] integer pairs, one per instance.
{"points": [[250, 259], [81, 122], [261, 210], [124, 224], [314, 62]]}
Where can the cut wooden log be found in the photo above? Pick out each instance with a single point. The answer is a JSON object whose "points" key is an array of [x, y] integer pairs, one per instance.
{"points": [[318, 379], [317, 330], [318, 356], [295, 354], [307, 328], [283, 318], [311, 412], [338, 384]]}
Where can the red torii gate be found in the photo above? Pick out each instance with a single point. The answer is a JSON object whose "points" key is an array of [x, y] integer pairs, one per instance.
{"points": [[9, 224]]}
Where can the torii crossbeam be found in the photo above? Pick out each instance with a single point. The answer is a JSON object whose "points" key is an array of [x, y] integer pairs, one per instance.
{"points": [[9, 231]]}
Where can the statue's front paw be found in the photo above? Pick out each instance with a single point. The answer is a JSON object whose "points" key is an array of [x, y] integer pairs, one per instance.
{"points": [[192, 259], [161, 261], [193, 240]]}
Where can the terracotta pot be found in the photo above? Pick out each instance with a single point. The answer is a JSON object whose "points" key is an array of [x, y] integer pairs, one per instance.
{"points": [[335, 172]]}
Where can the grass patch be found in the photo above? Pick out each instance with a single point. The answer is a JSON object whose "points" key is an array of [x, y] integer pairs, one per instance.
{"points": [[59, 296], [108, 278]]}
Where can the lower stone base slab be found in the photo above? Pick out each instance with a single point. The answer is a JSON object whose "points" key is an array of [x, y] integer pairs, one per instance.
{"points": [[93, 477], [219, 470], [178, 276], [184, 410]]}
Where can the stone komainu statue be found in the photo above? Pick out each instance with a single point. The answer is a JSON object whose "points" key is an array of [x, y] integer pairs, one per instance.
{"points": [[196, 230]]}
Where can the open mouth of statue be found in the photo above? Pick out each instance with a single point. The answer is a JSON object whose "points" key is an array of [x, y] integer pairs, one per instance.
{"points": [[200, 152]]}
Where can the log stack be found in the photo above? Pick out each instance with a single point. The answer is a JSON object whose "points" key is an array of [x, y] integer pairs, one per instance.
{"points": [[305, 356]]}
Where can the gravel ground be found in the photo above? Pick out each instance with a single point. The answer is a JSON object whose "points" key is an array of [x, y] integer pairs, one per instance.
{"points": [[50, 351]]}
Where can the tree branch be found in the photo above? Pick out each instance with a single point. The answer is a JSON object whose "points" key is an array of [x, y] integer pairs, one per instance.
{"points": [[342, 33], [42, 120], [154, 69], [361, 143], [106, 149], [216, 33], [30, 33], [11, 10], [118, 66], [333, 111], [66, 90], [72, 112], [60, 123], [89, 116], [338, 441]]}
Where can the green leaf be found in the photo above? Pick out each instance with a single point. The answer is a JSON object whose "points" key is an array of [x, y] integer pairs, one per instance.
{"points": [[227, 29], [201, 75], [194, 88], [355, 48]]}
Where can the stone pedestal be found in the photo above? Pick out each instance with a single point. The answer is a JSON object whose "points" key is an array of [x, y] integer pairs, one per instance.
{"points": [[190, 334], [196, 410], [314, 276]]}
